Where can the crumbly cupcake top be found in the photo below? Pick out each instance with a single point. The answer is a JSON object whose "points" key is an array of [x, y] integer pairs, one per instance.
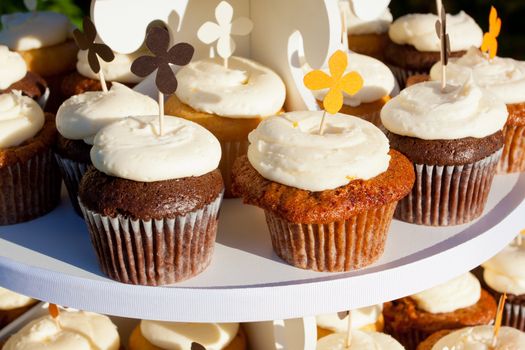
{"points": [[458, 293], [21, 118], [10, 300], [82, 116], [360, 341], [419, 30], [117, 70], [358, 26], [480, 338], [245, 89], [75, 330], [503, 77], [289, 150], [12, 67], [378, 80], [170, 335], [133, 149], [505, 272], [360, 318], [425, 112], [23, 31]]}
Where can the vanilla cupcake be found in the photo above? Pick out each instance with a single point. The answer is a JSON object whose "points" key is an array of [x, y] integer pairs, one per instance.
{"points": [[80, 118], [365, 319], [360, 341], [414, 46], [505, 78], [151, 201], [157, 335], [454, 140], [378, 84], [72, 330], [12, 306], [230, 102]]}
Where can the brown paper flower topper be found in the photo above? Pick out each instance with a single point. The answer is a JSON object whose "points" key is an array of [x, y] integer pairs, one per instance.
{"points": [[197, 346], [441, 31]]}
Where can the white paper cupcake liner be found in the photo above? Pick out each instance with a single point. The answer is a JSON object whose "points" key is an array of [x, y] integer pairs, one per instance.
{"points": [[154, 252], [231, 150], [513, 158], [72, 172], [448, 195]]}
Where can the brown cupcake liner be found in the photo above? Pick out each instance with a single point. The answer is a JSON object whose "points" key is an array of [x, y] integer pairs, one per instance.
{"points": [[513, 311], [373, 117], [334, 247], [448, 195], [403, 74], [29, 189], [513, 158], [42, 101], [410, 339], [154, 252], [231, 150], [72, 172]]}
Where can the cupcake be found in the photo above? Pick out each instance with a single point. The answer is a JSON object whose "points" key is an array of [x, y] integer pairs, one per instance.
{"points": [[79, 119], [328, 199], [360, 341], [12, 306], [454, 140], [29, 177], [414, 47], [505, 273], [505, 78], [478, 338], [14, 76], [157, 335], [366, 36], [151, 201], [458, 303], [378, 84], [230, 102], [365, 319], [71, 330]]}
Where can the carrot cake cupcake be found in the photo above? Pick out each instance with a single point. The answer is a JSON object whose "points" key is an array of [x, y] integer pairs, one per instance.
{"points": [[365, 319], [12, 306], [360, 340]]}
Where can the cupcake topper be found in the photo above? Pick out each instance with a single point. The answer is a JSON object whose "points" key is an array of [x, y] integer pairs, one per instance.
{"points": [[197, 346], [157, 41], [223, 30], [499, 319], [337, 83], [490, 39], [441, 31], [54, 312], [519, 239], [30, 5], [86, 41]]}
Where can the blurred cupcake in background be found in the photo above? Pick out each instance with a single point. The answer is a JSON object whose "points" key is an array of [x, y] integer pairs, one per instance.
{"points": [[360, 340], [12, 306], [365, 319]]}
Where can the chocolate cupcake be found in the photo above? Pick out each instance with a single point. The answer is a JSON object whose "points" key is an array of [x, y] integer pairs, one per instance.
{"points": [[151, 202], [29, 177], [414, 46], [328, 199], [454, 140], [79, 119], [360, 340], [12, 306], [505, 273], [456, 304]]}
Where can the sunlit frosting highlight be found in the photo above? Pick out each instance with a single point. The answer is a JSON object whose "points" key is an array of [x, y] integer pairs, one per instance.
{"points": [[21, 118], [117, 70], [13, 68], [505, 272], [358, 26], [360, 318], [10, 300]]}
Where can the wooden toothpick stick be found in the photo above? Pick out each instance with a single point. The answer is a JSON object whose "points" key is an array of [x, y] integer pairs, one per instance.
{"points": [[349, 330], [161, 113], [499, 319], [321, 127]]}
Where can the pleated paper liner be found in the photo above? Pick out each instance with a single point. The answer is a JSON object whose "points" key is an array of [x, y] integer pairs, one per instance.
{"points": [[72, 172], [334, 247], [514, 310], [513, 158], [30, 189], [448, 195], [231, 150], [154, 252], [403, 74], [409, 339]]}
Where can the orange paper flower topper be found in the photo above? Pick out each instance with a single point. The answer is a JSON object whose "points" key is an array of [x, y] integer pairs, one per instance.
{"points": [[490, 39], [53, 310], [337, 82]]}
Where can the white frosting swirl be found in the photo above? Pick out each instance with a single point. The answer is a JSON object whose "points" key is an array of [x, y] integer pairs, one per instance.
{"points": [[358, 26], [133, 149], [459, 293], [81, 116], [78, 330], [360, 318], [419, 30], [503, 77], [505, 272], [13, 68], [245, 89], [360, 341], [169, 335], [10, 300], [21, 118], [23, 31], [117, 70], [378, 80], [424, 111], [480, 338], [288, 149]]}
